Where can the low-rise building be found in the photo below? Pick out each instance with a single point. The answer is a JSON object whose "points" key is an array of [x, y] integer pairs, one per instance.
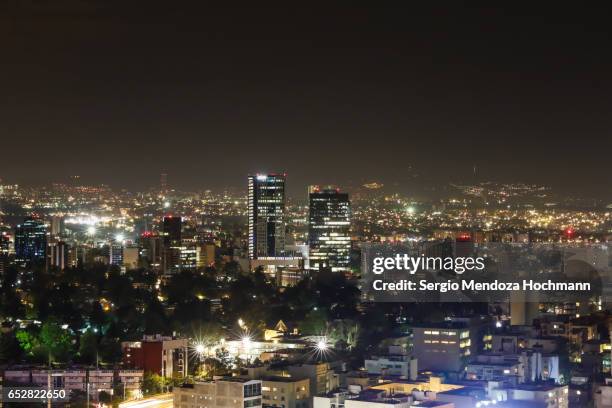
{"points": [[491, 367], [285, 392], [322, 378], [162, 355], [93, 381], [550, 395], [230, 392], [101, 380], [446, 346], [130, 381], [602, 396], [403, 366]]}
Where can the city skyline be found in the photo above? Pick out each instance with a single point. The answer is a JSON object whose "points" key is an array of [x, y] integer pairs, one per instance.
{"points": [[305, 206], [411, 96]]}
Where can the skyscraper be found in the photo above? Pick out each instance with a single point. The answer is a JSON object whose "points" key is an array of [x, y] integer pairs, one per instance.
{"points": [[172, 243], [172, 230], [115, 253], [328, 229], [58, 254], [5, 244], [151, 246], [266, 216], [30, 241], [57, 226]]}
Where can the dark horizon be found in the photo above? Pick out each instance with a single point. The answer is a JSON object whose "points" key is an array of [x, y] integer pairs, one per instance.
{"points": [[119, 93]]}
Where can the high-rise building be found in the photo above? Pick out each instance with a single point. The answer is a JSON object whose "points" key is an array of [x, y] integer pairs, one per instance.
{"points": [[30, 241], [172, 230], [5, 244], [130, 257], [115, 253], [151, 247], [205, 255], [189, 255], [59, 255], [172, 243], [266, 216], [329, 222], [57, 226]]}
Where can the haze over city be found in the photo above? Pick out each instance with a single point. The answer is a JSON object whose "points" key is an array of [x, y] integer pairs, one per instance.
{"points": [[330, 95]]}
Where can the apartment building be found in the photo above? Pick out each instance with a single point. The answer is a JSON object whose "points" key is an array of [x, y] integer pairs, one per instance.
{"points": [[227, 392], [285, 392]]}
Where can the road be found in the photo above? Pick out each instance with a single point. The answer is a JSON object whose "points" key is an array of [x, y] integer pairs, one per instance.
{"points": [[156, 401]]}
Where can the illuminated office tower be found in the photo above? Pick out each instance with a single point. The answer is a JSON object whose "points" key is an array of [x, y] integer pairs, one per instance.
{"points": [[59, 255], [30, 241], [266, 216], [115, 253], [329, 221], [5, 244], [172, 243], [151, 249], [189, 255]]}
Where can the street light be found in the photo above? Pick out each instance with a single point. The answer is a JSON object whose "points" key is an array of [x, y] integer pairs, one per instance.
{"points": [[246, 342], [199, 348]]}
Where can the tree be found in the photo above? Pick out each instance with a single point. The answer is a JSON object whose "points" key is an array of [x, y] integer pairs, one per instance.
{"points": [[109, 350], [155, 317], [78, 399], [57, 341], [9, 347], [152, 384], [27, 340], [105, 397], [315, 323], [88, 347]]}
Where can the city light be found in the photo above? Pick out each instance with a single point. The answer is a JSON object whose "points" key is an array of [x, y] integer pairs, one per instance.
{"points": [[247, 342], [91, 230], [199, 348], [320, 348]]}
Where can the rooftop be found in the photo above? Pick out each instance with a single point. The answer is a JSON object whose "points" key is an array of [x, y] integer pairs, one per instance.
{"points": [[278, 378], [431, 404], [536, 387], [442, 325]]}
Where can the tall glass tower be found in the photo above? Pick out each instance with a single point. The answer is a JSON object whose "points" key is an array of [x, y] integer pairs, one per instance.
{"points": [[266, 216], [172, 233], [329, 222], [30, 241]]}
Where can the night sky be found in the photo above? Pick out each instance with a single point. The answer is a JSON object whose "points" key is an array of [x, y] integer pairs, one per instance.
{"points": [[119, 93]]}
